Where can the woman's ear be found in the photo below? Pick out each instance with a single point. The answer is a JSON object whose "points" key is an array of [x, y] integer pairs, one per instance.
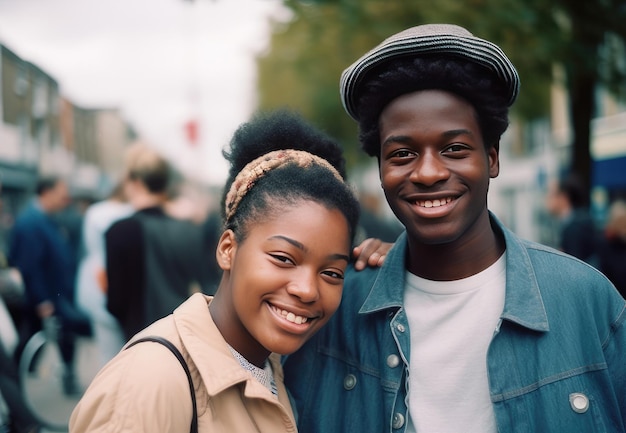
{"points": [[226, 248]]}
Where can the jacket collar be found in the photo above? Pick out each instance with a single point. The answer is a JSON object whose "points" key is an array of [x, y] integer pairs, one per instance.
{"points": [[211, 355], [523, 302], [388, 288]]}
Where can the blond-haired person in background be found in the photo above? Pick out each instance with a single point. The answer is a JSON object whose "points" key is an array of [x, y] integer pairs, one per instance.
{"points": [[153, 261]]}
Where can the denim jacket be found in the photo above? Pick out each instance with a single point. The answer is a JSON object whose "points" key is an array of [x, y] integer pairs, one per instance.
{"points": [[556, 362]]}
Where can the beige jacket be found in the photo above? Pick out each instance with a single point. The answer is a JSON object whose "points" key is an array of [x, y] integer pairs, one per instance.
{"points": [[144, 388]]}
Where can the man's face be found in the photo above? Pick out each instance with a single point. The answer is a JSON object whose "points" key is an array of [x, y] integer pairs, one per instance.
{"points": [[556, 201], [434, 167], [58, 198]]}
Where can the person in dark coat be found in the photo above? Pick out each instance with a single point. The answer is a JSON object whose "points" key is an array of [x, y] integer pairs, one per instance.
{"points": [[48, 267], [612, 251], [577, 234], [153, 260]]}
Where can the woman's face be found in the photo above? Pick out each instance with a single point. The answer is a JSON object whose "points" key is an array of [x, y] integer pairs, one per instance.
{"points": [[284, 279]]}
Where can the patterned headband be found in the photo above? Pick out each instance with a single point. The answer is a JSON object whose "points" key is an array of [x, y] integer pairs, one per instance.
{"points": [[257, 168]]}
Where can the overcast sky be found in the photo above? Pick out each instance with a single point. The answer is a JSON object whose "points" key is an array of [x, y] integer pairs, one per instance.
{"points": [[162, 62]]}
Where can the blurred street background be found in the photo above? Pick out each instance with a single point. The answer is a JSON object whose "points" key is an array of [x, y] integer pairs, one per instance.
{"points": [[80, 80], [43, 387]]}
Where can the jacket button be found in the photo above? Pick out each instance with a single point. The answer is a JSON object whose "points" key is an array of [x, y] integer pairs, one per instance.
{"points": [[398, 420], [393, 361], [349, 382], [579, 402], [400, 327]]}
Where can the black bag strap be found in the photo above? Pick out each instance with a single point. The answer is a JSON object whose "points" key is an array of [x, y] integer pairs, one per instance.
{"points": [[179, 356]]}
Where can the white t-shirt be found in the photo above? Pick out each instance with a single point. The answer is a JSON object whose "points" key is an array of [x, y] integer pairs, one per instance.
{"points": [[451, 324]]}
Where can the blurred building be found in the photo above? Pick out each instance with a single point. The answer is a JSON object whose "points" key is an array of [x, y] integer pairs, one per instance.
{"points": [[95, 139], [42, 132], [28, 125], [534, 153]]}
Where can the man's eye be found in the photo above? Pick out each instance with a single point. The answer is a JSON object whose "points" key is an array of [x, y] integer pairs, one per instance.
{"points": [[456, 148], [401, 154]]}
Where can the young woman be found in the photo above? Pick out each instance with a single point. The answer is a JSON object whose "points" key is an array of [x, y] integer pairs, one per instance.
{"points": [[289, 221]]}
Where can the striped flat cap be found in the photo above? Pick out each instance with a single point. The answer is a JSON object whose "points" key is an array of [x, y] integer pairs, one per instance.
{"points": [[429, 39]]}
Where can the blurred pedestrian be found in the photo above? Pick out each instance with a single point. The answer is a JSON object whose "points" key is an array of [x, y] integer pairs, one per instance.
{"points": [[466, 327], [153, 261], [577, 234], [612, 252], [372, 224], [16, 416], [212, 229], [289, 222], [91, 280], [12, 298], [70, 221], [187, 203], [46, 261]]}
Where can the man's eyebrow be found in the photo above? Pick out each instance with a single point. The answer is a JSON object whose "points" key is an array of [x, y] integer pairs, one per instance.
{"points": [[446, 134], [396, 139], [457, 132]]}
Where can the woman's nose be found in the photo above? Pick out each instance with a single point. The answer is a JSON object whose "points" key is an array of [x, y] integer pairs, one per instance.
{"points": [[304, 286]]}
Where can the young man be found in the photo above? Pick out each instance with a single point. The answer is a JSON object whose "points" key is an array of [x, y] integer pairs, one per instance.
{"points": [[43, 255], [465, 327], [577, 234]]}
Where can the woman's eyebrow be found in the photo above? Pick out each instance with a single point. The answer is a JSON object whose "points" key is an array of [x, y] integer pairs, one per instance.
{"points": [[300, 246]]}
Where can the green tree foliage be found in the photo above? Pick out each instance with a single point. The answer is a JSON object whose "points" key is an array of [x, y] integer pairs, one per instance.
{"points": [[309, 53]]}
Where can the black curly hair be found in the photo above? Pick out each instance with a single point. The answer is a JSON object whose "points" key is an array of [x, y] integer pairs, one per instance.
{"points": [[288, 184], [479, 86]]}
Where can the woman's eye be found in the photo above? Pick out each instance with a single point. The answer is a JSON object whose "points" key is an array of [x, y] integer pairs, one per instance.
{"points": [[334, 274], [282, 259]]}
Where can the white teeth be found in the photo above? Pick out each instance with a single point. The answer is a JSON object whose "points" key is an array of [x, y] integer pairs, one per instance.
{"points": [[290, 317], [434, 203]]}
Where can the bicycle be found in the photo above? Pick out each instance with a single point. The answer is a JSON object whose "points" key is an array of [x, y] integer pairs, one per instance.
{"points": [[42, 370]]}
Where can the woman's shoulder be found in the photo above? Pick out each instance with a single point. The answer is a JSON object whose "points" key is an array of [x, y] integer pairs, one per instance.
{"points": [[138, 386]]}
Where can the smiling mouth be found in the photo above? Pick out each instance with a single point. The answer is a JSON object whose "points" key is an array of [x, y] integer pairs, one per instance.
{"points": [[289, 316], [434, 203]]}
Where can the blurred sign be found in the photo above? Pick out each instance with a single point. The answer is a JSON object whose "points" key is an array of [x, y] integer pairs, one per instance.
{"points": [[192, 131]]}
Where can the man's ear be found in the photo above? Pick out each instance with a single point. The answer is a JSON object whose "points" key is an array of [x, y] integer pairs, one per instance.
{"points": [[494, 161], [226, 248]]}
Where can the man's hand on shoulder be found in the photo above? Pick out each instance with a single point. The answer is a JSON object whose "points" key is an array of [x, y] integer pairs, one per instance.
{"points": [[371, 252]]}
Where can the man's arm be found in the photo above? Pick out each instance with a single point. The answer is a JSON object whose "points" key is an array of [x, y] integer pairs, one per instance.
{"points": [[28, 255]]}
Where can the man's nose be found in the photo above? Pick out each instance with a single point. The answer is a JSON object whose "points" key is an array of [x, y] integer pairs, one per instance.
{"points": [[429, 169]]}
